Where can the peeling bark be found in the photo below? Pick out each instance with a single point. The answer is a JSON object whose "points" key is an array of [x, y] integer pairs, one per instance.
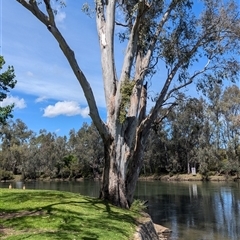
{"points": [[114, 187]]}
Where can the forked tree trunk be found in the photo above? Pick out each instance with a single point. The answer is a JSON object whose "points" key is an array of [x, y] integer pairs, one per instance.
{"points": [[122, 168], [117, 186]]}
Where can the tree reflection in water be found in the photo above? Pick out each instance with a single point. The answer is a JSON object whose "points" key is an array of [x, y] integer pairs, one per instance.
{"points": [[196, 211]]}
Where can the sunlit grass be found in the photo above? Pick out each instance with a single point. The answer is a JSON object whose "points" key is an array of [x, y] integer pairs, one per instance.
{"points": [[38, 214]]}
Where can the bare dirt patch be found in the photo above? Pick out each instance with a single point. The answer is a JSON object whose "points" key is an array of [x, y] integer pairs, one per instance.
{"points": [[10, 215], [6, 231]]}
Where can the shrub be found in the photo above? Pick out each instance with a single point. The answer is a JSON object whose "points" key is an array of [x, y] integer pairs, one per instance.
{"points": [[6, 175]]}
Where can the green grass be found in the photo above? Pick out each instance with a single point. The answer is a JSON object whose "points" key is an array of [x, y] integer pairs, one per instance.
{"points": [[38, 214]]}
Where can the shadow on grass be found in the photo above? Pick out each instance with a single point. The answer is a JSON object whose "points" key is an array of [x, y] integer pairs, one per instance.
{"points": [[48, 236], [66, 217]]}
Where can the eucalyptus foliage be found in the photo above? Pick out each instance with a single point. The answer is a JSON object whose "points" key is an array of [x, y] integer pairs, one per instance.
{"points": [[7, 82]]}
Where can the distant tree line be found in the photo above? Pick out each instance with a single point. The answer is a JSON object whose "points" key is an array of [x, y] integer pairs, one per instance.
{"points": [[199, 133], [203, 133]]}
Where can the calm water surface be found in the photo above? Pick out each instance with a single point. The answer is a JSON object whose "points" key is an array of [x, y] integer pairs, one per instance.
{"points": [[192, 210], [195, 211]]}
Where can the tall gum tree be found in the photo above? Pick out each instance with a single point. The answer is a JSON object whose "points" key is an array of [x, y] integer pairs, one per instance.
{"points": [[193, 46]]}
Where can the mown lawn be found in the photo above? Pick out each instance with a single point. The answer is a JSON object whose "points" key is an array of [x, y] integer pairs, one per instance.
{"points": [[38, 214]]}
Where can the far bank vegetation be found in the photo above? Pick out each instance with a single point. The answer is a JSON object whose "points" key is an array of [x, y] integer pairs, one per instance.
{"points": [[199, 132]]}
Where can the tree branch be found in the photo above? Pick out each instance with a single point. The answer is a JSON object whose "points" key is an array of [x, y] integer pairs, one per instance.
{"points": [[105, 19], [121, 24], [69, 54], [132, 43], [169, 109], [128, 63], [188, 82], [158, 31], [32, 7], [50, 12]]}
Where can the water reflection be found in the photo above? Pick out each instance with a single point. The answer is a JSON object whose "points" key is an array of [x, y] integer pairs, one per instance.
{"points": [[87, 187], [196, 211], [225, 205], [193, 192], [19, 185], [192, 210]]}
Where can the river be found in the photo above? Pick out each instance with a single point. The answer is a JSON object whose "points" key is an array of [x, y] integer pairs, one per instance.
{"points": [[192, 210]]}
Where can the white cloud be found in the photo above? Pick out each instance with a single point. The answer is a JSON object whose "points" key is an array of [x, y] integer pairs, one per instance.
{"points": [[68, 108], [57, 130], [60, 17], [18, 103], [54, 81], [41, 99], [29, 74]]}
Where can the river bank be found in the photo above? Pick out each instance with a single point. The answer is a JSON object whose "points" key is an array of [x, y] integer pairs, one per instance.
{"points": [[147, 230], [163, 177], [68, 215], [173, 204], [189, 177]]}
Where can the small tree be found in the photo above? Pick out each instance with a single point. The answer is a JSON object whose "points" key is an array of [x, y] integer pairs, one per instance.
{"points": [[166, 32], [15, 137], [7, 81]]}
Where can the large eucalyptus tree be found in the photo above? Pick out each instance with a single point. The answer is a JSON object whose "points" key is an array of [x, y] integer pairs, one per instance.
{"points": [[158, 34]]}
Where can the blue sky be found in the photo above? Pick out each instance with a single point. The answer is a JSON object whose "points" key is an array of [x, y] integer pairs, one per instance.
{"points": [[47, 94]]}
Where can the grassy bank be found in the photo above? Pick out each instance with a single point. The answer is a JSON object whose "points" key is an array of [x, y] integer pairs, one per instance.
{"points": [[38, 214]]}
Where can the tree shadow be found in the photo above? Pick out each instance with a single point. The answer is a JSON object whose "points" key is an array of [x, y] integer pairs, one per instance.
{"points": [[92, 218]]}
